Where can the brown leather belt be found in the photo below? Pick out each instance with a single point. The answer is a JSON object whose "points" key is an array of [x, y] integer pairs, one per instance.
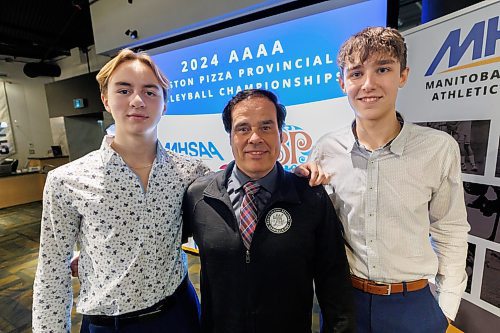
{"points": [[380, 288]]}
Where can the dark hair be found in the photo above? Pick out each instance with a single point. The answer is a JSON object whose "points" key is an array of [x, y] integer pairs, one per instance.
{"points": [[372, 40], [253, 93]]}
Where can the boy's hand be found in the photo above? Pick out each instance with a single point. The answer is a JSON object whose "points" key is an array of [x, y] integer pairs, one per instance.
{"points": [[74, 266], [314, 172]]}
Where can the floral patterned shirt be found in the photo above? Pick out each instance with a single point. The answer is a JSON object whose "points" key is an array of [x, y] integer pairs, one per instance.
{"points": [[130, 239]]}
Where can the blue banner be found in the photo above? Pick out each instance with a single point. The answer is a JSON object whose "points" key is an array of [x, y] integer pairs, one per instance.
{"points": [[295, 59]]}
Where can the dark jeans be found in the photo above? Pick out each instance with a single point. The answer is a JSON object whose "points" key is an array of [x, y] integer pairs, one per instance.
{"points": [[410, 312], [182, 316]]}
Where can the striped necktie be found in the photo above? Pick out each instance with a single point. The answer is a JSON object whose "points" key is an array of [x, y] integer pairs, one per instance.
{"points": [[248, 213]]}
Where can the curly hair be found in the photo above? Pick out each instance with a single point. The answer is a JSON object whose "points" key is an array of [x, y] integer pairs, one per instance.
{"points": [[359, 47]]}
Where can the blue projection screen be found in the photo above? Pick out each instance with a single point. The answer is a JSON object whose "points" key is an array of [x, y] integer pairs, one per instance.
{"points": [[295, 58]]}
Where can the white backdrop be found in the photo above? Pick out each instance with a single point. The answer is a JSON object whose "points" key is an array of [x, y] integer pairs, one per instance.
{"points": [[464, 85]]}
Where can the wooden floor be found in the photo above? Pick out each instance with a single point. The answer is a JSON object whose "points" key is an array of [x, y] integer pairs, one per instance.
{"points": [[19, 236]]}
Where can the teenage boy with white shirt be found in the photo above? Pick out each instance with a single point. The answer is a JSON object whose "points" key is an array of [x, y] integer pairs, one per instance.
{"points": [[394, 183]]}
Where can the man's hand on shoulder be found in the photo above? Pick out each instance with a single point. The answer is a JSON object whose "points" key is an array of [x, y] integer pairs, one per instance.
{"points": [[314, 172], [74, 265]]}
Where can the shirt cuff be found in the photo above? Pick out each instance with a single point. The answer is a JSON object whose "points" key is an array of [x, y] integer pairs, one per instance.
{"points": [[449, 301]]}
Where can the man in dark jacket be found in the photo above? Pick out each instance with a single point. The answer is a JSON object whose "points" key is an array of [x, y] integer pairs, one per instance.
{"points": [[265, 235]]}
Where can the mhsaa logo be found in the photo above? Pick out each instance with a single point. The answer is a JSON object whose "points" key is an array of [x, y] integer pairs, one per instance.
{"points": [[481, 47], [195, 148]]}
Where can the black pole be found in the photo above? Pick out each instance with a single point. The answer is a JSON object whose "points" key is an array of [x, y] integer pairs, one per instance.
{"points": [[392, 13], [433, 9]]}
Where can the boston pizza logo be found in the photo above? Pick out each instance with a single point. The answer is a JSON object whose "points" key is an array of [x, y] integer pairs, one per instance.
{"points": [[295, 148], [278, 220]]}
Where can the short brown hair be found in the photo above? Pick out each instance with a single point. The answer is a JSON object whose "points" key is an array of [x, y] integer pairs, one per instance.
{"points": [[365, 43], [128, 55]]}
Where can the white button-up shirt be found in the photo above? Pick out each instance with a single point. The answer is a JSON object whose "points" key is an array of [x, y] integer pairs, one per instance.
{"points": [[130, 240], [390, 201]]}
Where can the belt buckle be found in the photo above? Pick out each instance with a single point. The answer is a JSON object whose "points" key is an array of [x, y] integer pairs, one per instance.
{"points": [[158, 310], [388, 285]]}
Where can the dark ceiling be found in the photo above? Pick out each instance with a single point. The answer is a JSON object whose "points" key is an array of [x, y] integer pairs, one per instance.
{"points": [[409, 14], [43, 29], [49, 29]]}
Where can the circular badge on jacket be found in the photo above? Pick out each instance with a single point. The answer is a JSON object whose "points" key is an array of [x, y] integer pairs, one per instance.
{"points": [[278, 220]]}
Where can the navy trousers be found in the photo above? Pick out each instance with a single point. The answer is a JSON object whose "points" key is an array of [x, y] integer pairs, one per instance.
{"points": [[181, 317], [409, 312]]}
